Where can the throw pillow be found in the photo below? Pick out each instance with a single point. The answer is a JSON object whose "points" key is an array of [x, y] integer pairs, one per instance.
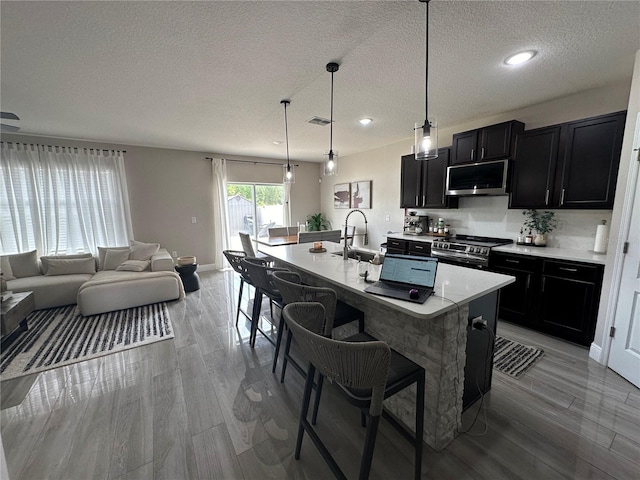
{"points": [[23, 265], [5, 268], [114, 257], [45, 259], [143, 251], [134, 265], [102, 252], [71, 266]]}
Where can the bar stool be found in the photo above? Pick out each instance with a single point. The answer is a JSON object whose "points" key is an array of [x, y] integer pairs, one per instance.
{"points": [[260, 274], [367, 372], [234, 257], [292, 290]]}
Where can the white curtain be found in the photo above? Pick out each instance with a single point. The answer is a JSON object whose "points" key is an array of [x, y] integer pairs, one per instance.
{"points": [[220, 212], [62, 200]]}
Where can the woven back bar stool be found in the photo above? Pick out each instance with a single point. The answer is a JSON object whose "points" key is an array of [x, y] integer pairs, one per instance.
{"points": [[235, 257], [367, 372]]}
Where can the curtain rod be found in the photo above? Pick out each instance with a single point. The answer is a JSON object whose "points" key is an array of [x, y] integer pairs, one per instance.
{"points": [[62, 146], [254, 162]]}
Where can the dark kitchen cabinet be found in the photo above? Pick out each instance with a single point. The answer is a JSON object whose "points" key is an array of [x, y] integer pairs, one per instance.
{"points": [[533, 170], [570, 294], [494, 142], [557, 297], [408, 247], [422, 183], [573, 165], [518, 299]]}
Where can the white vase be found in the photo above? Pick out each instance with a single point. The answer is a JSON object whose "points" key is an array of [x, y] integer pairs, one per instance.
{"points": [[540, 239]]}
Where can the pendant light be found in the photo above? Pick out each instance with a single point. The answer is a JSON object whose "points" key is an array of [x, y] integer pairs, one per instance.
{"points": [[426, 141], [331, 161], [289, 175]]}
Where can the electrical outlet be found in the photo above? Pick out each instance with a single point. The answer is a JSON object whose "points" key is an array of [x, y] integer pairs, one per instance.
{"points": [[387, 218], [193, 220], [174, 254]]}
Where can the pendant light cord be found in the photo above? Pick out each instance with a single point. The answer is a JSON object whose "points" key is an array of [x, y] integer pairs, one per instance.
{"points": [[426, 67], [331, 124]]}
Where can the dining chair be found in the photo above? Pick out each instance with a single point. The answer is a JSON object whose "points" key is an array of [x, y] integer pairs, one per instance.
{"points": [[235, 257], [260, 273], [331, 236], [366, 371], [278, 232], [338, 312], [247, 246], [293, 230], [319, 236]]}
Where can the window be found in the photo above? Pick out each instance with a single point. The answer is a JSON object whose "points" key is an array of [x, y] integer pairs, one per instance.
{"points": [[254, 208], [62, 200]]}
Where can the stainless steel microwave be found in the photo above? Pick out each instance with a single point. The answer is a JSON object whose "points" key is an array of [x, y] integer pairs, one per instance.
{"points": [[485, 178]]}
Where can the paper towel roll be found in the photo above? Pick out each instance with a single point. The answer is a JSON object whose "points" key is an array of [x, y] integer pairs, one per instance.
{"points": [[602, 237]]}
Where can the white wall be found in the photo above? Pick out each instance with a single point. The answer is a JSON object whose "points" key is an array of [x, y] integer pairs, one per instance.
{"points": [[487, 216]]}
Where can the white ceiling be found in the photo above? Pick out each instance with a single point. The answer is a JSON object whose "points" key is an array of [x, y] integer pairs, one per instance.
{"points": [[209, 76]]}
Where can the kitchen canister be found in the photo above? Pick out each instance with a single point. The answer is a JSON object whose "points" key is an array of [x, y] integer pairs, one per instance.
{"points": [[602, 237]]}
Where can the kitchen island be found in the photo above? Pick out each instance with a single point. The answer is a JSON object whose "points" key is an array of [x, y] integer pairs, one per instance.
{"points": [[433, 334]]}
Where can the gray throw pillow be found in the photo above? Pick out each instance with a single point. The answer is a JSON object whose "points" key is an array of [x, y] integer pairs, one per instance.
{"points": [[45, 259], [143, 251], [71, 266], [22, 265], [134, 266], [102, 252]]}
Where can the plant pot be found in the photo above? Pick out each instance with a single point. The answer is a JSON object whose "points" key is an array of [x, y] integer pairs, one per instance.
{"points": [[540, 240]]}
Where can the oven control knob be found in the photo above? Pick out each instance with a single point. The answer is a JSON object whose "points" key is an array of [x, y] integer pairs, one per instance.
{"points": [[446, 245], [484, 251], [472, 249]]}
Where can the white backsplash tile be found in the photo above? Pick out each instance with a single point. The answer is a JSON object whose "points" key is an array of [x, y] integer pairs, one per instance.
{"points": [[491, 217]]}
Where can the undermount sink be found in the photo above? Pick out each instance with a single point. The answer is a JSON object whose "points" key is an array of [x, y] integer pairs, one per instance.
{"points": [[364, 256]]}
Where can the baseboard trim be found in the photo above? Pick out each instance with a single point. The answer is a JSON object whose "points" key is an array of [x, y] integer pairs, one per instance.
{"points": [[206, 268], [595, 352]]}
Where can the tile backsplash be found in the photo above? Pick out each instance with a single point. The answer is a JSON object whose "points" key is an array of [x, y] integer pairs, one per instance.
{"points": [[491, 217]]}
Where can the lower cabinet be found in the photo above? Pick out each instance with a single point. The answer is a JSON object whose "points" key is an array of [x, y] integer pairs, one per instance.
{"points": [[408, 247], [558, 297]]}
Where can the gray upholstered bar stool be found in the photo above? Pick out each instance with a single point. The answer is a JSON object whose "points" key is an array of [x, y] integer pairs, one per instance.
{"points": [[292, 290], [367, 372]]}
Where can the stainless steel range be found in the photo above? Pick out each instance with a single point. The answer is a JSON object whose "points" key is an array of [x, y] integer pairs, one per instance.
{"points": [[466, 250]]}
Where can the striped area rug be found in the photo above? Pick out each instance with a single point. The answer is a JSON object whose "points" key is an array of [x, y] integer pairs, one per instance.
{"points": [[514, 358], [60, 336]]}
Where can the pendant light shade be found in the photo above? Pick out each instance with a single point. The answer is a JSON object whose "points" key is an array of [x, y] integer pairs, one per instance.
{"points": [[288, 174], [426, 133], [331, 157]]}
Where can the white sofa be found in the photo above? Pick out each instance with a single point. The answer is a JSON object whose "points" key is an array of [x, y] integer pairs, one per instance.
{"points": [[97, 284]]}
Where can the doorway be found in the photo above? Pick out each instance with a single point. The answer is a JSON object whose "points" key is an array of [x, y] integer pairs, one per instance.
{"points": [[253, 209]]}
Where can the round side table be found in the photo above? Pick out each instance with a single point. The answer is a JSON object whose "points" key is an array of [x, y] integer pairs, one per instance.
{"points": [[189, 277]]}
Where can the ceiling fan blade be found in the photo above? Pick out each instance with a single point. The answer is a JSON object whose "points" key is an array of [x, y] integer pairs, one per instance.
{"points": [[8, 128], [9, 116]]}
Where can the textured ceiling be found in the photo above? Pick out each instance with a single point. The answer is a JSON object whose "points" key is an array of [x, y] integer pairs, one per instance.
{"points": [[209, 76]]}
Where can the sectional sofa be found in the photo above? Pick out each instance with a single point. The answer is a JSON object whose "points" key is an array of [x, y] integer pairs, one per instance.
{"points": [[115, 279]]}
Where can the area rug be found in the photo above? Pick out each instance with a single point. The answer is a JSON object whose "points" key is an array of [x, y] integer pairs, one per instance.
{"points": [[514, 358], [62, 336]]}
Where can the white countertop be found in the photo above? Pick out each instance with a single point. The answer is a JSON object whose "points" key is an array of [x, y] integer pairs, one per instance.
{"points": [[556, 253], [545, 252], [453, 284]]}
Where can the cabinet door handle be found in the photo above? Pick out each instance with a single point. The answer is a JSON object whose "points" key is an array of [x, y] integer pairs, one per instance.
{"points": [[528, 282], [417, 201], [567, 269], [482, 153], [546, 197], [424, 200], [473, 151], [511, 261], [418, 247], [562, 198]]}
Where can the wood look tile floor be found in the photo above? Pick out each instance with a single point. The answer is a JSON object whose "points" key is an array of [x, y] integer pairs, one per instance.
{"points": [[205, 405]]}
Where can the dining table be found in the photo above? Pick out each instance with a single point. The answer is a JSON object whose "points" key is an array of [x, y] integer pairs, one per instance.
{"points": [[278, 241]]}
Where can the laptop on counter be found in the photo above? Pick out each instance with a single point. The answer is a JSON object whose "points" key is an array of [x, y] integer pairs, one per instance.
{"points": [[406, 277]]}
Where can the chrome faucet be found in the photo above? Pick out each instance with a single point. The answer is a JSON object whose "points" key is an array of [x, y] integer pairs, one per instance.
{"points": [[345, 253]]}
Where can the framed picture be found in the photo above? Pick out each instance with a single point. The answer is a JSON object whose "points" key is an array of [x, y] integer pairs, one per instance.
{"points": [[361, 194], [342, 195]]}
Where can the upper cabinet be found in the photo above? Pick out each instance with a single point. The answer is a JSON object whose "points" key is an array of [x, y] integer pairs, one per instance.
{"points": [[494, 142], [422, 182], [573, 165]]}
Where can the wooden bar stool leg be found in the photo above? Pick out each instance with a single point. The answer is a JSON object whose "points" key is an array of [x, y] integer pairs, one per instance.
{"points": [[369, 445], [308, 386], [278, 342], [239, 300], [285, 360]]}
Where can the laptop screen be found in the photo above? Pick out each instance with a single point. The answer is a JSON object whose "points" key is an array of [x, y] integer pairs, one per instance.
{"points": [[418, 271]]}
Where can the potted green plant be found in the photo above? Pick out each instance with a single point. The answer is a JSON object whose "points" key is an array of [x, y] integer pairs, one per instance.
{"points": [[543, 224], [317, 222]]}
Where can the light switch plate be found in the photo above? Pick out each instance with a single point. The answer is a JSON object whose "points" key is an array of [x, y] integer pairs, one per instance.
{"points": [[193, 220]]}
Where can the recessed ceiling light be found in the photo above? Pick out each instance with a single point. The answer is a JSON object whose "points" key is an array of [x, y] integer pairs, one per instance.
{"points": [[277, 142], [365, 121], [520, 57]]}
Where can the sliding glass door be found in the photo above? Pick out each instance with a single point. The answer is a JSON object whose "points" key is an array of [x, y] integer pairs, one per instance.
{"points": [[253, 209]]}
